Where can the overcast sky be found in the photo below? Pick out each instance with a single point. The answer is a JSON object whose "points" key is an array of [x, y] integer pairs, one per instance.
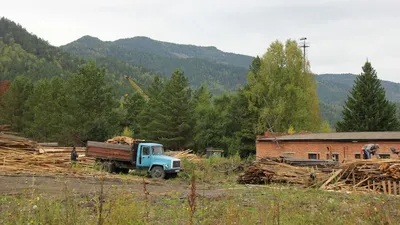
{"points": [[342, 33]]}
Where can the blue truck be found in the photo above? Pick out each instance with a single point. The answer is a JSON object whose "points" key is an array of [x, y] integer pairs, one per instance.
{"points": [[138, 156]]}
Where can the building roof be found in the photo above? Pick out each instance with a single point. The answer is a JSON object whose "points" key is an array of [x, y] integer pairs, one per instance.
{"points": [[339, 136]]}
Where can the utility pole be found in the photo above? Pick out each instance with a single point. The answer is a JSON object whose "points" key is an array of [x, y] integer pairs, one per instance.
{"points": [[304, 46]]}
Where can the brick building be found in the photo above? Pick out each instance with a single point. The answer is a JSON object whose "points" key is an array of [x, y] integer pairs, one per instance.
{"points": [[337, 146]]}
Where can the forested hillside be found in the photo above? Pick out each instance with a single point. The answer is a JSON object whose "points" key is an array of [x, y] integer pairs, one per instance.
{"points": [[22, 53], [220, 71], [334, 88]]}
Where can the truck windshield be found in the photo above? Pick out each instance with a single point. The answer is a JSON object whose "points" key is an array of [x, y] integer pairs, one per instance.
{"points": [[158, 150]]}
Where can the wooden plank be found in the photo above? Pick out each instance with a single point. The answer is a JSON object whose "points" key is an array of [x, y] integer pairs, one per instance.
{"points": [[389, 187], [373, 186], [369, 185], [331, 178], [384, 187], [394, 188], [359, 183]]}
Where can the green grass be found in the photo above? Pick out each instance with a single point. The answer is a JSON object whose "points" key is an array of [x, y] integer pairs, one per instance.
{"points": [[251, 205], [236, 204]]}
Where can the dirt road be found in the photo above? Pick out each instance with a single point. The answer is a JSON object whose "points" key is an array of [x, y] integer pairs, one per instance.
{"points": [[50, 185]]}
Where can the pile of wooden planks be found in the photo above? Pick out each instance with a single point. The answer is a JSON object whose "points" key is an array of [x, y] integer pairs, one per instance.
{"points": [[4, 127], [184, 155], [123, 140], [267, 171], [364, 175], [8, 141], [58, 150], [21, 155]]}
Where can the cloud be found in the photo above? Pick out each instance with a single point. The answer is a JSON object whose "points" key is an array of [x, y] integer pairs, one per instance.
{"points": [[342, 33]]}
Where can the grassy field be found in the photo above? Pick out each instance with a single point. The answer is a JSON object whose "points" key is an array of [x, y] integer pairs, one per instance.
{"points": [[230, 203]]}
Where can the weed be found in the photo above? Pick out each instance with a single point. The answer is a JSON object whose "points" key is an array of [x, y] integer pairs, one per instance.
{"points": [[192, 198]]}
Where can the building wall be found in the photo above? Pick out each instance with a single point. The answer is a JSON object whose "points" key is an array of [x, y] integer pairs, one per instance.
{"points": [[298, 149]]}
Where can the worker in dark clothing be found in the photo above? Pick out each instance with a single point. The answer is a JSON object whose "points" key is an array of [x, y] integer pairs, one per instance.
{"points": [[74, 156], [370, 149]]}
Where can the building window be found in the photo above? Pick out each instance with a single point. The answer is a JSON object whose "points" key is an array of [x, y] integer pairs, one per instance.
{"points": [[335, 157], [288, 154], [313, 156], [384, 156], [357, 156]]}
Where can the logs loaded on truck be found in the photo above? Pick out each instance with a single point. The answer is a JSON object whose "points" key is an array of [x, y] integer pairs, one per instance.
{"points": [[138, 155]]}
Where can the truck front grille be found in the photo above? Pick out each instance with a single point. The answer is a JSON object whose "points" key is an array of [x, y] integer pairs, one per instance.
{"points": [[176, 164]]}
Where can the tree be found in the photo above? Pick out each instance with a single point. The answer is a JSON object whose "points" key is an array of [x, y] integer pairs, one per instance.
{"points": [[14, 111], [90, 105], [134, 105], [176, 111], [366, 108], [48, 106], [151, 120], [325, 127], [282, 92]]}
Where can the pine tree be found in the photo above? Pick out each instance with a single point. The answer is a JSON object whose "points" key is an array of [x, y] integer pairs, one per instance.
{"points": [[134, 105], [176, 112], [47, 122], [151, 119], [90, 104], [367, 108]]}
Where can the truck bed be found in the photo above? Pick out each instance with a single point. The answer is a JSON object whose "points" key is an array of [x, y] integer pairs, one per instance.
{"points": [[117, 152]]}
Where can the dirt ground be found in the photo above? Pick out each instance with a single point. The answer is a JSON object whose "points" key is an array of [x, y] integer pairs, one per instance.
{"points": [[51, 185]]}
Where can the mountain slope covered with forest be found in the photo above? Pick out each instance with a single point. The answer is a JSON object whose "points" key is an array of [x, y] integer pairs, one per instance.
{"points": [[219, 70], [22, 53]]}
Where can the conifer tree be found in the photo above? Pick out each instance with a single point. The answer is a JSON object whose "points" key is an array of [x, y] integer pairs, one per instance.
{"points": [[367, 108], [176, 111], [151, 119]]}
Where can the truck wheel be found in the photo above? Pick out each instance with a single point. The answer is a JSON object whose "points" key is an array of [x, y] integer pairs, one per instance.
{"points": [[109, 167], [157, 172]]}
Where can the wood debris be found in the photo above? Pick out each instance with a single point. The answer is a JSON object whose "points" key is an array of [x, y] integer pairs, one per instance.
{"points": [[184, 155], [21, 155], [267, 171], [122, 140], [365, 175], [4, 127]]}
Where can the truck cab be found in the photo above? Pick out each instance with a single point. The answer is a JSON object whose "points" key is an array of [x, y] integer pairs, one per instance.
{"points": [[151, 156], [139, 155]]}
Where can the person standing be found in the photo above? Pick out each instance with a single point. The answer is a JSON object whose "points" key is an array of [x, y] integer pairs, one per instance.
{"points": [[74, 156]]}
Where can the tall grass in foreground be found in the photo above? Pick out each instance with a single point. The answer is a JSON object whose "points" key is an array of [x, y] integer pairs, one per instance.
{"points": [[200, 204]]}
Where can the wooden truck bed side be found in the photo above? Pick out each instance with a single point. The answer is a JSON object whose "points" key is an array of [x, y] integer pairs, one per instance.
{"points": [[115, 152]]}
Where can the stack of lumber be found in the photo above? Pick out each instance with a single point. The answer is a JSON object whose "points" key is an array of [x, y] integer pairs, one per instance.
{"points": [[21, 155], [267, 171], [364, 175], [184, 155], [8, 141], [121, 140], [22, 161], [4, 127], [60, 150]]}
